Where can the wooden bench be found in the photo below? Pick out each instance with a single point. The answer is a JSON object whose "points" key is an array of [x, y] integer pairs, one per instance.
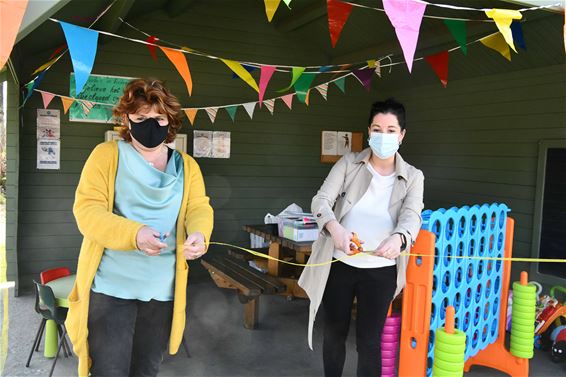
{"points": [[232, 273]]}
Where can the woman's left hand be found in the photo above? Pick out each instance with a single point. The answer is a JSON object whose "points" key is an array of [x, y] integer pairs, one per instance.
{"points": [[194, 247], [390, 247]]}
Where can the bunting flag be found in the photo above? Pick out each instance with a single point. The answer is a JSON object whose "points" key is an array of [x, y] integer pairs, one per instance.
{"points": [[47, 98], [307, 97], [372, 63], [82, 44], [497, 42], [378, 68], [458, 30], [338, 13], [67, 102], [288, 3], [406, 17], [179, 61], [30, 86], [86, 106], [211, 111], [303, 84], [271, 7], [341, 84], [288, 99], [58, 50], [325, 68], [241, 72], [296, 72], [44, 66], [249, 68], [323, 90], [364, 76], [250, 106], [11, 14], [265, 76], [231, 110], [191, 114], [503, 19], [439, 63], [517, 32], [270, 104], [151, 47]]}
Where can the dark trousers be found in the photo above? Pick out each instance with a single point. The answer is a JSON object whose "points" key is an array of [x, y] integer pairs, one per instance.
{"points": [[127, 337], [374, 289]]}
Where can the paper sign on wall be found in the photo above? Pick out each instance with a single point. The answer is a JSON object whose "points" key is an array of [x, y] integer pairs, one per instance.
{"points": [[48, 154], [211, 144], [48, 124], [335, 143]]}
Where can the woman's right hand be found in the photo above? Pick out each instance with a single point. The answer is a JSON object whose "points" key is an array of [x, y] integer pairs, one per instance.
{"points": [[341, 237], [147, 240]]}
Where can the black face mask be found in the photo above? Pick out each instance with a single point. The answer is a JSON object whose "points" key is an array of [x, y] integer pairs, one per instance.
{"points": [[148, 132]]}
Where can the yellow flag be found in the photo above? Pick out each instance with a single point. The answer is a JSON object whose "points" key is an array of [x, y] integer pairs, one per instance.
{"points": [[67, 102], [497, 42], [503, 19], [191, 114], [242, 73], [270, 8], [44, 66]]}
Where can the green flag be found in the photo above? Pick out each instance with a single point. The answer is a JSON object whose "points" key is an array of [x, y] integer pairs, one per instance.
{"points": [[231, 110], [458, 30], [340, 83]]}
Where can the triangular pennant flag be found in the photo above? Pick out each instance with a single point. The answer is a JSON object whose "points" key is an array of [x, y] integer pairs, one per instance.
{"points": [[231, 110], [270, 8], [325, 68], [338, 13], [249, 68], [151, 47], [378, 68], [303, 85], [458, 30], [270, 104], [67, 102], [191, 114], [288, 3], [211, 111], [323, 90], [297, 72], [406, 17], [439, 63], [250, 106], [45, 65], [364, 76], [340, 83], [32, 85], [179, 61], [11, 14], [307, 97], [58, 50], [503, 19], [372, 63], [241, 72], [517, 32], [265, 76], [498, 43], [86, 106], [46, 97], [288, 99], [82, 44]]}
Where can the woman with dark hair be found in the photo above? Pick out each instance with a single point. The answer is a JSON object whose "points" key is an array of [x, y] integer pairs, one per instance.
{"points": [[143, 211], [379, 197]]}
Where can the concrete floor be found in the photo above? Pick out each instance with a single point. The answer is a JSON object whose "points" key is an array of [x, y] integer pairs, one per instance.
{"points": [[219, 344]]}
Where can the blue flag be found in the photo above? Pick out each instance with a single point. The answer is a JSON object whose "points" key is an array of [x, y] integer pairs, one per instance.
{"points": [[517, 32], [82, 46]]}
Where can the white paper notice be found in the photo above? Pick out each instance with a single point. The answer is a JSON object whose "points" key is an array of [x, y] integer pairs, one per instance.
{"points": [[344, 141], [329, 143], [48, 124], [48, 154], [221, 144], [202, 144]]}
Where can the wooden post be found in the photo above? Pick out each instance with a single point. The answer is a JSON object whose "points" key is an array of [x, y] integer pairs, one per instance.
{"points": [[251, 313], [274, 267]]}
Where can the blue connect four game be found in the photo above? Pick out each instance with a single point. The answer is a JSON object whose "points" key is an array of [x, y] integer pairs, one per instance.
{"points": [[472, 286]]}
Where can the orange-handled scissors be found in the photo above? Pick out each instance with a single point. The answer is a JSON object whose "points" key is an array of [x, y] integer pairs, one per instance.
{"points": [[355, 244]]}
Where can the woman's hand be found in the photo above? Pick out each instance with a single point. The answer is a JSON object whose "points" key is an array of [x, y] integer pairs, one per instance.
{"points": [[341, 237], [194, 247], [390, 247], [147, 240]]}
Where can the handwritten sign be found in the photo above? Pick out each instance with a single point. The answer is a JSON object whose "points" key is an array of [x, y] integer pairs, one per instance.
{"points": [[98, 88]]}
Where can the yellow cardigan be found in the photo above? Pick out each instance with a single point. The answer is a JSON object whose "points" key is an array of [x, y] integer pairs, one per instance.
{"points": [[94, 202]]}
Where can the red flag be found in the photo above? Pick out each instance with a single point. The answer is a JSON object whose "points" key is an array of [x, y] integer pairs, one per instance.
{"points": [[439, 63], [151, 47], [338, 13]]}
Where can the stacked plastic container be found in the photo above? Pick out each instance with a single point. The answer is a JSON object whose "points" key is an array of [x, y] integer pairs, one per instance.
{"points": [[390, 345]]}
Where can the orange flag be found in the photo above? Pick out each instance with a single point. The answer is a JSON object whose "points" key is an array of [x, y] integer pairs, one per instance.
{"points": [[11, 15], [67, 102], [191, 114], [179, 61]]}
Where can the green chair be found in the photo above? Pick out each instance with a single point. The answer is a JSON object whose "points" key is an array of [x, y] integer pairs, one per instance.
{"points": [[46, 306]]}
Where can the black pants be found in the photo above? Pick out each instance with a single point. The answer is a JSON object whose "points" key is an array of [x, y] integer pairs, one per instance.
{"points": [[374, 289], [127, 337]]}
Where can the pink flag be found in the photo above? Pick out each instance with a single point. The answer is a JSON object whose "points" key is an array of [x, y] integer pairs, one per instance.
{"points": [[288, 99], [265, 76], [47, 97], [406, 17]]}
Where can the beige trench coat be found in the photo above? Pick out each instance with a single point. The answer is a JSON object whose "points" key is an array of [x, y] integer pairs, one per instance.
{"points": [[346, 183]]}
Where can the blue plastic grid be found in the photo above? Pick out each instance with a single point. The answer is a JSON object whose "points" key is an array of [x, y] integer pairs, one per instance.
{"points": [[472, 286]]}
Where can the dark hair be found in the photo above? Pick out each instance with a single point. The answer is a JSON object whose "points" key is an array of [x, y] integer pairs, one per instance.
{"points": [[389, 106], [147, 93]]}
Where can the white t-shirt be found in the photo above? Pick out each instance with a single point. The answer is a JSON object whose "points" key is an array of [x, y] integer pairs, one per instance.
{"points": [[369, 218]]}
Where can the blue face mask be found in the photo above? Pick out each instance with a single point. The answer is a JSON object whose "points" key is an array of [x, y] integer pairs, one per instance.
{"points": [[384, 145]]}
